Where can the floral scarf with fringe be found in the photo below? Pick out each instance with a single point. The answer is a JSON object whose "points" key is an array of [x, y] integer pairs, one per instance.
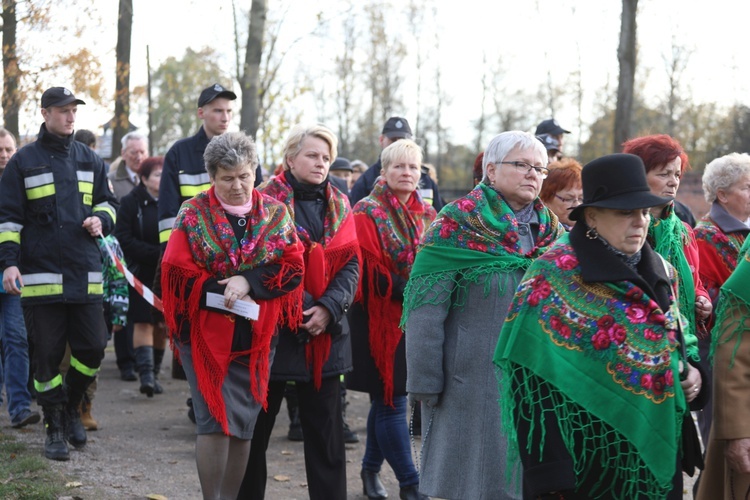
{"points": [[202, 246], [322, 259], [478, 236], [388, 232], [599, 359]]}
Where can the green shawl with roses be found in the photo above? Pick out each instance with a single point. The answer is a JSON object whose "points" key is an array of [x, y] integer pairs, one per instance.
{"points": [[599, 360], [476, 236]]}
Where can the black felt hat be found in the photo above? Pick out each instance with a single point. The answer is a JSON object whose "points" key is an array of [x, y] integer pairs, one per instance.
{"points": [[616, 181]]}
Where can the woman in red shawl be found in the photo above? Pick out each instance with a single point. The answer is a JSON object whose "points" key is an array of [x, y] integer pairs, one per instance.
{"points": [[319, 352], [390, 224], [230, 246]]}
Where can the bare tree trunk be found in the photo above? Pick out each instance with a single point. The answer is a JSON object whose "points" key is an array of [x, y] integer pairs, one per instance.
{"points": [[481, 122], [250, 82], [11, 75], [122, 85], [626, 53]]}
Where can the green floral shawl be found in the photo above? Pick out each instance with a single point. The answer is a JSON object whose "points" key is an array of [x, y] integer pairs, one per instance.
{"points": [[478, 236]]}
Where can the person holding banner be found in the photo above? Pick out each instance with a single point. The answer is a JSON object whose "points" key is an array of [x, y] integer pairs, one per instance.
{"points": [[137, 229], [230, 246]]}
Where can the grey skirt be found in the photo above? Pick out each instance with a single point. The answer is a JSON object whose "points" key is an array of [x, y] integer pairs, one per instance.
{"points": [[242, 409]]}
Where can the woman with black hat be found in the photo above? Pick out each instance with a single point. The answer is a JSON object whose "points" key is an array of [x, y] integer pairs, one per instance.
{"points": [[596, 384]]}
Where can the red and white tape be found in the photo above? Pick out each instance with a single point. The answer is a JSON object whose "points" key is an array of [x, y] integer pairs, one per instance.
{"points": [[139, 287]]}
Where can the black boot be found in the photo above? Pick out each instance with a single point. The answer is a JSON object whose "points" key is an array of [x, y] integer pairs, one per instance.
{"points": [[144, 361], [372, 487], [55, 447], [158, 357], [292, 407], [411, 493], [75, 432]]}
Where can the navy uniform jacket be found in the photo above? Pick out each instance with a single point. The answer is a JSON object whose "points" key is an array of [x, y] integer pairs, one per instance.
{"points": [[47, 190]]}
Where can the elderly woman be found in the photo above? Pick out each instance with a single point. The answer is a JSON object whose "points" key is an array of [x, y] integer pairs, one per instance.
{"points": [[720, 234], [595, 381], [665, 163], [137, 230], [727, 473], [463, 279], [390, 223], [562, 189], [230, 246], [316, 355]]}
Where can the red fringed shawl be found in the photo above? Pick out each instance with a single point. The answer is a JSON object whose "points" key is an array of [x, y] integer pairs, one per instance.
{"points": [[322, 259], [388, 232], [202, 246]]}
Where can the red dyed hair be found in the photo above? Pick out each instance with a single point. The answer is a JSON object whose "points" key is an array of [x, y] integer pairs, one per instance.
{"points": [[656, 150], [563, 174], [149, 165], [478, 168]]}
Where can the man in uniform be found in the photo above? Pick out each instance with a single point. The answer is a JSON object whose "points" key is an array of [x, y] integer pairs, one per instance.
{"points": [[184, 173], [54, 200]]}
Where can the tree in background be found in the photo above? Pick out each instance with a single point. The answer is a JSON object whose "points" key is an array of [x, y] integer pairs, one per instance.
{"points": [[27, 70], [178, 83], [626, 53], [250, 78], [122, 75]]}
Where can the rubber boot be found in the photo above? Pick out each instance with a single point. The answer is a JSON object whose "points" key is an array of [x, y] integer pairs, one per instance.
{"points": [[158, 357], [144, 362], [55, 447], [75, 433]]}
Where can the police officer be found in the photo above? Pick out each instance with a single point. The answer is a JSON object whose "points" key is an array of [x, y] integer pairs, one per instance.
{"points": [[54, 200]]}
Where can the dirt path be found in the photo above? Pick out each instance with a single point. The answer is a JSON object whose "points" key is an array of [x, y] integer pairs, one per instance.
{"points": [[146, 446]]}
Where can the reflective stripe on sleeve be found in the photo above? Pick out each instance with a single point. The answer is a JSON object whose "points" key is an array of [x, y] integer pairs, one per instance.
{"points": [[106, 208], [10, 231]]}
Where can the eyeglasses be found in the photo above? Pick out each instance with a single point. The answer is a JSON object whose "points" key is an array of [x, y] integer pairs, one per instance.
{"points": [[570, 201], [524, 167]]}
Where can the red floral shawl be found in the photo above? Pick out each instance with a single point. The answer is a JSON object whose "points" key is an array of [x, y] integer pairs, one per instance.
{"points": [[322, 259], [388, 232], [202, 246]]}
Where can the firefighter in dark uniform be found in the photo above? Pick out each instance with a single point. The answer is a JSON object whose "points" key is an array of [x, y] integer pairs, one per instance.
{"points": [[184, 173], [54, 201]]}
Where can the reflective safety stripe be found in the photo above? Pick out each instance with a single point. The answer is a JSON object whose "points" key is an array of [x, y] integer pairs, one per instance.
{"points": [[427, 195], [42, 284], [85, 187], [164, 235], [85, 176], [89, 372], [190, 185], [52, 384], [42, 279], [165, 229], [95, 284], [39, 186], [10, 231], [106, 208], [190, 191]]}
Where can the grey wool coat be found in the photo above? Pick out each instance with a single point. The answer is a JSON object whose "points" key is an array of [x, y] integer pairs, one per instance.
{"points": [[449, 352]]}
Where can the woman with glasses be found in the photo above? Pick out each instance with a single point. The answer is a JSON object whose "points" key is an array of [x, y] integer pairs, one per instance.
{"points": [[562, 190], [463, 279]]}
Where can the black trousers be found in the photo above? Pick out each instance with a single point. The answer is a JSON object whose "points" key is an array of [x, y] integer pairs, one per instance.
{"points": [[51, 326], [323, 428]]}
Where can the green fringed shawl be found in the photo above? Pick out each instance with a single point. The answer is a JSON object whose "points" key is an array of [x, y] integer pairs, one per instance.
{"points": [[600, 360], [669, 236], [478, 236], [733, 311]]}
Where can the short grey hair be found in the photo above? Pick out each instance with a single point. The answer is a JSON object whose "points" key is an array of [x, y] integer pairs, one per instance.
{"points": [[229, 151], [504, 143], [723, 173], [133, 136]]}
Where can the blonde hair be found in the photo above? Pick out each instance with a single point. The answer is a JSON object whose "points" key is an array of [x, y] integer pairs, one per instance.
{"points": [[403, 148], [300, 132]]}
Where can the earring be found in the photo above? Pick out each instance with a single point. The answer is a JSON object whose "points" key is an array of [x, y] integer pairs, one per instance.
{"points": [[592, 234]]}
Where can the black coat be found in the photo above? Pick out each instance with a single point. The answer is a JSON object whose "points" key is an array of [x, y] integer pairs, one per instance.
{"points": [[289, 362], [365, 377], [137, 230]]}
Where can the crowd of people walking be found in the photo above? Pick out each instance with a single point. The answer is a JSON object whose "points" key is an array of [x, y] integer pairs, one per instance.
{"points": [[549, 334]]}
